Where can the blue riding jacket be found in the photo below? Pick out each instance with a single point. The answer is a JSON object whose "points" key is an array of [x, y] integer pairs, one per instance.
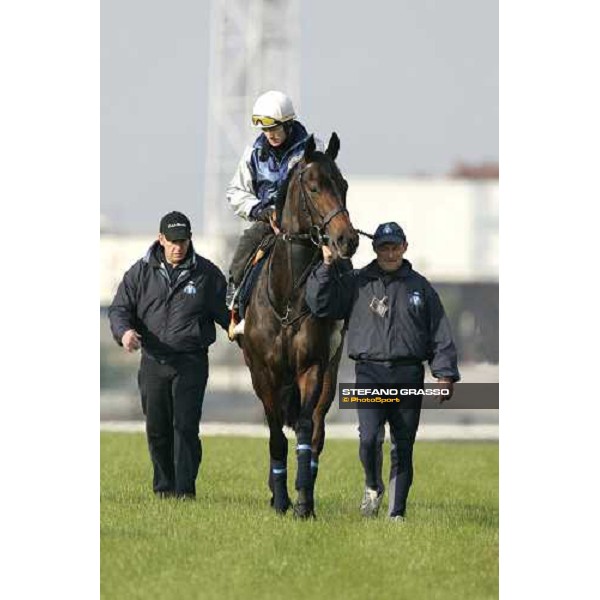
{"points": [[262, 170]]}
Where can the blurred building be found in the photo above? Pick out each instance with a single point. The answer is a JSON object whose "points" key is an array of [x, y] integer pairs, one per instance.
{"points": [[119, 252], [451, 225]]}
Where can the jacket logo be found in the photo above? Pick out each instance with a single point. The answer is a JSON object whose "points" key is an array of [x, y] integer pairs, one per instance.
{"points": [[190, 289], [379, 307], [415, 299]]}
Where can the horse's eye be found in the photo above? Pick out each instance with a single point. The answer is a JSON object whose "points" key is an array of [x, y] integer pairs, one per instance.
{"points": [[314, 190]]}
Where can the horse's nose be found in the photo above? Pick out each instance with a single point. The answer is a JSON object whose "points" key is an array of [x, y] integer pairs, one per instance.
{"points": [[347, 243]]}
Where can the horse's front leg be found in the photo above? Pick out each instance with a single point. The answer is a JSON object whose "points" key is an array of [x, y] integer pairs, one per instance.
{"points": [[266, 383], [278, 449], [310, 383]]}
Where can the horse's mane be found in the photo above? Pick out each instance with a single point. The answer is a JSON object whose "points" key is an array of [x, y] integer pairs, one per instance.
{"points": [[316, 157], [282, 192]]}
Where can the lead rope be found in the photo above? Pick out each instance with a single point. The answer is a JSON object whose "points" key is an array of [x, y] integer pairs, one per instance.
{"points": [[369, 235]]}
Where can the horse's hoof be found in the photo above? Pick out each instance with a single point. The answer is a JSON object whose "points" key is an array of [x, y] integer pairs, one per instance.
{"points": [[304, 511], [282, 508]]}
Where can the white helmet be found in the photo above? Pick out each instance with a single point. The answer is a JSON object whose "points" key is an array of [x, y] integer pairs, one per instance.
{"points": [[271, 109]]}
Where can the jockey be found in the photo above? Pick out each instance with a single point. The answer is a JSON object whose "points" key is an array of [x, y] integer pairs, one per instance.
{"points": [[264, 167]]}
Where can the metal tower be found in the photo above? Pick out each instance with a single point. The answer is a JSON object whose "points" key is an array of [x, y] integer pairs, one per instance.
{"points": [[254, 47]]}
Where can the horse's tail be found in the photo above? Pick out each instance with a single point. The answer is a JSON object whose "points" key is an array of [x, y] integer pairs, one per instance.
{"points": [[289, 401]]}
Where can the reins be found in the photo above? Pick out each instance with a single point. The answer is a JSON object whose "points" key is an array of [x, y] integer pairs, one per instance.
{"points": [[317, 236], [296, 285]]}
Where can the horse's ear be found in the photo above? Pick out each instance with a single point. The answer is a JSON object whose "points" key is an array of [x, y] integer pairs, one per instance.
{"points": [[333, 147], [309, 149]]}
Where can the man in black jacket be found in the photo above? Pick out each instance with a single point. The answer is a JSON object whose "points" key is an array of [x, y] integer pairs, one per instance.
{"points": [[167, 304], [395, 323]]}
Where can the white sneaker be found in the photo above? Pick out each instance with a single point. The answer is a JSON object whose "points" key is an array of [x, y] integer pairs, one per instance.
{"points": [[239, 328], [398, 519], [369, 507]]}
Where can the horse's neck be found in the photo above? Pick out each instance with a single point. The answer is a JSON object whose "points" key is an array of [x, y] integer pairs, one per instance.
{"points": [[290, 263], [290, 260], [289, 220]]}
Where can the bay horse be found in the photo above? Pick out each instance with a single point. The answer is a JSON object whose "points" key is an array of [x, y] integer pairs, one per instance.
{"points": [[293, 356]]}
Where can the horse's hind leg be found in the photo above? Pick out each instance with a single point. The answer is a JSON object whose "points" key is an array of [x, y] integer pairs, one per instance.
{"points": [[278, 449], [326, 397]]}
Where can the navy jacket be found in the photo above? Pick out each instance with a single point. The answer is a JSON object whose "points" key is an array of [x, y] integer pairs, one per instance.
{"points": [[263, 169], [391, 316], [175, 318], [270, 170]]}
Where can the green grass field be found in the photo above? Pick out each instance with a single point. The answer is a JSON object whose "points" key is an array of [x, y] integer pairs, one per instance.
{"points": [[229, 543]]}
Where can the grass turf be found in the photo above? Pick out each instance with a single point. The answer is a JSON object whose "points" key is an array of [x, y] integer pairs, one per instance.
{"points": [[230, 544]]}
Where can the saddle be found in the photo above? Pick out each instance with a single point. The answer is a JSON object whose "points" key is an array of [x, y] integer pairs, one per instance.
{"points": [[252, 271]]}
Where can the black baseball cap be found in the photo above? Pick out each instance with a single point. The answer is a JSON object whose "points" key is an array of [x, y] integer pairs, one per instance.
{"points": [[388, 233], [176, 226]]}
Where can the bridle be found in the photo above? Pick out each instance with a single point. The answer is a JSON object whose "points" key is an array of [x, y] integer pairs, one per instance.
{"points": [[318, 230], [317, 235]]}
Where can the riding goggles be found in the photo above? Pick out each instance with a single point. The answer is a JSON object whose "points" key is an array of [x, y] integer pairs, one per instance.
{"points": [[265, 122]]}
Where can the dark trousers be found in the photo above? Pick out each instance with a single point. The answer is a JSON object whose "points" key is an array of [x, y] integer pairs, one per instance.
{"points": [[172, 396], [403, 420], [248, 244]]}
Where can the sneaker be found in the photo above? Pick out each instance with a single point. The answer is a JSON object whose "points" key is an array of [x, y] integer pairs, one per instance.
{"points": [[239, 328], [369, 507], [398, 519]]}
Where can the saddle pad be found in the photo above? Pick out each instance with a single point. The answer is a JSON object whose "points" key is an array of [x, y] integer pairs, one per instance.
{"points": [[247, 285]]}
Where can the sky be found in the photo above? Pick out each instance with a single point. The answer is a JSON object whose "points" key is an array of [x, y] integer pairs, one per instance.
{"points": [[411, 87]]}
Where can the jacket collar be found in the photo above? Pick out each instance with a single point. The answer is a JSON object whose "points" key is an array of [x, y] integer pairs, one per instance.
{"points": [[154, 257], [372, 271], [298, 135]]}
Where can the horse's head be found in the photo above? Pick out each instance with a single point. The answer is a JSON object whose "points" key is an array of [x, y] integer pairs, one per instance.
{"points": [[316, 199]]}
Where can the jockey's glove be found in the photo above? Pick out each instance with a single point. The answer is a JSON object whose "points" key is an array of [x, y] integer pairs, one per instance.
{"points": [[262, 214]]}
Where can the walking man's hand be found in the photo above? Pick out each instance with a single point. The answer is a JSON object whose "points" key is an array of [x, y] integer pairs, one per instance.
{"points": [[131, 340], [327, 254], [447, 384]]}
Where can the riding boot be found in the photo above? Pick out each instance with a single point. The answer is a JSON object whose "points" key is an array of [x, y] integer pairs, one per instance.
{"points": [[249, 242]]}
